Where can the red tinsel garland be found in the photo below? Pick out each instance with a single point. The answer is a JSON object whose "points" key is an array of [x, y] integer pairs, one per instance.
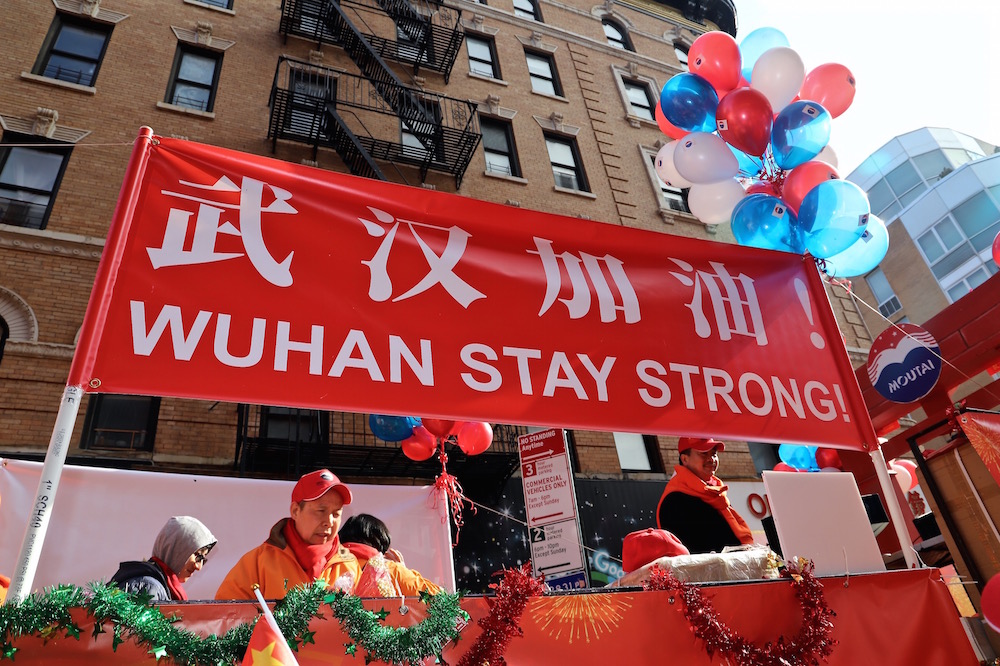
{"points": [[502, 624], [452, 490], [813, 642]]}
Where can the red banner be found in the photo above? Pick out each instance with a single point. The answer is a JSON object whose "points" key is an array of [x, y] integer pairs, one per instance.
{"points": [[235, 277], [983, 432]]}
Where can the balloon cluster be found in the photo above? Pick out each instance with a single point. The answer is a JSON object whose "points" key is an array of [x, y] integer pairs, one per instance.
{"points": [[752, 130], [419, 437], [796, 458]]}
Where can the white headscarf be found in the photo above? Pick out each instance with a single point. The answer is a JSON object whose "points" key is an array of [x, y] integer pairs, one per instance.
{"points": [[179, 539]]}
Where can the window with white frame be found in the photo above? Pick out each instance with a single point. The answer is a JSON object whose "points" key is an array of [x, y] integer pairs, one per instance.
{"points": [[681, 51], [668, 196], [888, 303], [616, 35], [527, 9]]}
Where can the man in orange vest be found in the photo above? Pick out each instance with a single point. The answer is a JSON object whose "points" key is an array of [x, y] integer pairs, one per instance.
{"points": [[694, 505]]}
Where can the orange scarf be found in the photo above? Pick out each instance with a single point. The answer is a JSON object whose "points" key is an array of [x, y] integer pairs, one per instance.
{"points": [[712, 493]]}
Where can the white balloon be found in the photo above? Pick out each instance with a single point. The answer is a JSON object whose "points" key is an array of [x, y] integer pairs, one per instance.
{"points": [[665, 169], [828, 155], [778, 74], [705, 158], [713, 203]]}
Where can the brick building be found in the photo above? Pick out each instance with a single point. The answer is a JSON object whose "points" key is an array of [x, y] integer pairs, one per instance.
{"points": [[540, 104]]}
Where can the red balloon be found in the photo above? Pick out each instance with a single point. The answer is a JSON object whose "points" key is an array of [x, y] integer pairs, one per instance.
{"points": [[828, 458], [763, 187], [803, 178], [784, 467], [831, 85], [990, 602], [744, 119], [715, 56], [666, 126], [420, 445], [475, 437], [996, 250], [455, 429], [438, 427]]}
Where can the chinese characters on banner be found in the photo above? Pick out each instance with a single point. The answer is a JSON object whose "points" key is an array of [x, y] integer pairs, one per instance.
{"points": [[246, 279]]}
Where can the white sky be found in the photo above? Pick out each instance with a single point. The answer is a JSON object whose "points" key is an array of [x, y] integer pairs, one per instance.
{"points": [[918, 63]]}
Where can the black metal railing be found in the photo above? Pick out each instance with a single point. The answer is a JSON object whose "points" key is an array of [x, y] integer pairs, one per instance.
{"points": [[420, 33], [351, 114], [290, 442], [22, 213]]}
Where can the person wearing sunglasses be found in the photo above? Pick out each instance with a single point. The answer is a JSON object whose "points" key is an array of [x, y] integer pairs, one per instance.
{"points": [[180, 549]]}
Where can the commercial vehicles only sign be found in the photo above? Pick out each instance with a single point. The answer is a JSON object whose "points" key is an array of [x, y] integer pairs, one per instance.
{"points": [[548, 481], [550, 506]]}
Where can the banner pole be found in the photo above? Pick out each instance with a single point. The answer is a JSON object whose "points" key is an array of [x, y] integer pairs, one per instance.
{"points": [[81, 367], [895, 512], [48, 483]]}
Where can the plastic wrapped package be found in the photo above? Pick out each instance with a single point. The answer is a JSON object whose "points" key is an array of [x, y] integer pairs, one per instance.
{"points": [[743, 563]]}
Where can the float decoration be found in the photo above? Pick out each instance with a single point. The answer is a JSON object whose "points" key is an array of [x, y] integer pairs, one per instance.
{"points": [[512, 594], [749, 121], [813, 643], [47, 614]]}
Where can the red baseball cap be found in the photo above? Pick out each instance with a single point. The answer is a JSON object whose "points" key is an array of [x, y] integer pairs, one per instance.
{"points": [[641, 548], [701, 444], [316, 484]]}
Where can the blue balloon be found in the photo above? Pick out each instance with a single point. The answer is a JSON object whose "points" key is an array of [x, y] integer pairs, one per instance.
{"points": [[754, 45], [750, 166], [799, 133], [866, 253], [392, 428], [833, 216], [799, 457], [760, 220], [689, 102]]}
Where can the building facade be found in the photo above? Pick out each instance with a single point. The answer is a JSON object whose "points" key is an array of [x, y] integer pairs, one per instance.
{"points": [[938, 192], [537, 104]]}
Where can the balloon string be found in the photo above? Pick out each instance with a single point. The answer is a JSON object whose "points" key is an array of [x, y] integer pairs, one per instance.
{"points": [[452, 489]]}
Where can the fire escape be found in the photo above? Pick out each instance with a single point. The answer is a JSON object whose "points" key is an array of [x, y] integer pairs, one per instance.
{"points": [[373, 118]]}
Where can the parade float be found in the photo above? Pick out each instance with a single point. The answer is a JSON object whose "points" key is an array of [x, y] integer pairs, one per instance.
{"points": [[232, 277]]}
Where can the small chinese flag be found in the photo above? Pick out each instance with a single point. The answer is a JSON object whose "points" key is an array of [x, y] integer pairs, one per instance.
{"points": [[268, 647]]}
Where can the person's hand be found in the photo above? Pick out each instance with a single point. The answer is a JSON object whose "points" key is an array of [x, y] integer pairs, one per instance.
{"points": [[395, 556]]}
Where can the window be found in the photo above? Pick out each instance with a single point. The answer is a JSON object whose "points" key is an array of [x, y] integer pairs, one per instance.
{"points": [[542, 71], [905, 183], [195, 78], [4, 334], [979, 220], [310, 92], [565, 158], [637, 453], [681, 52], [409, 47], [945, 247], [498, 146], [888, 304], [933, 166], [29, 179], [73, 50], [222, 4], [670, 197], [970, 282], [482, 56], [120, 422], [414, 142], [289, 424], [616, 35], [527, 9], [639, 98]]}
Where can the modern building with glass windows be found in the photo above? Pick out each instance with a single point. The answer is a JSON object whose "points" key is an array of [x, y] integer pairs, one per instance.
{"points": [[938, 191]]}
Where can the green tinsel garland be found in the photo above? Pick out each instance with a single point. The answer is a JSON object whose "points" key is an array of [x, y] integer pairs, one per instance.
{"points": [[132, 618]]}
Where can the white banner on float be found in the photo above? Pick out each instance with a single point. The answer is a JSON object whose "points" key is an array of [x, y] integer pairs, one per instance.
{"points": [[107, 516]]}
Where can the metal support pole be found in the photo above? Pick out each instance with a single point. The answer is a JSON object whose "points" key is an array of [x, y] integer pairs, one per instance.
{"points": [[45, 497], [895, 512]]}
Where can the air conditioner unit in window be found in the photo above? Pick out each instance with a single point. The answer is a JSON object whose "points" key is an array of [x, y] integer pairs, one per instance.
{"points": [[566, 180]]}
